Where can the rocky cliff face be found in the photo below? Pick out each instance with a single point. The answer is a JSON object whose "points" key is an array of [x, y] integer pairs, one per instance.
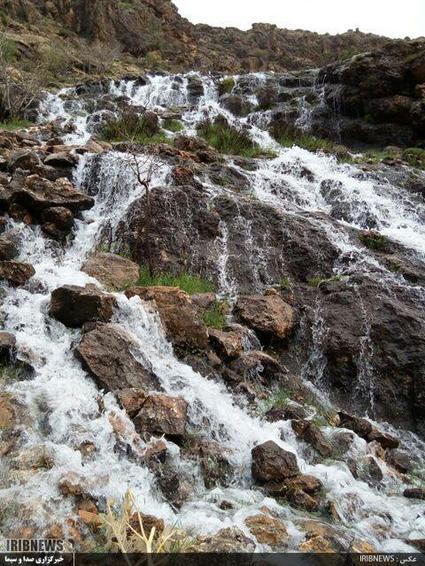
{"points": [[143, 27]]}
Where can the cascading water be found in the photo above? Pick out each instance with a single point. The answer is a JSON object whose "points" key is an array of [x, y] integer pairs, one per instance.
{"points": [[63, 402]]}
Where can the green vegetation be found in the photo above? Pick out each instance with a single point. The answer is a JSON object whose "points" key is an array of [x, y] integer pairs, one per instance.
{"points": [[285, 283], [132, 127], [225, 86], [278, 399], [185, 281], [318, 280], [15, 124], [415, 157], [4, 19], [214, 316], [229, 140], [172, 125], [374, 240]]}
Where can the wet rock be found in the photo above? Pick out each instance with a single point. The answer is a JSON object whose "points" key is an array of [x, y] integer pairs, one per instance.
{"points": [[162, 414], [214, 462], [321, 538], [414, 493], [149, 522], [314, 436], [15, 272], [71, 485], [8, 414], [302, 491], [177, 488], [237, 104], [385, 439], [272, 463], [178, 315], [292, 411], [60, 217], [61, 160], [107, 354], [367, 469], [73, 306], [25, 159], [227, 344], [268, 530], [257, 365], [7, 346], [8, 248], [226, 541], [113, 271], [268, 315], [361, 427], [132, 400], [37, 194], [400, 460]]}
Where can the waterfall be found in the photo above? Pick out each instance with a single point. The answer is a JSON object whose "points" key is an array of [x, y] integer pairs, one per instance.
{"points": [[64, 402]]}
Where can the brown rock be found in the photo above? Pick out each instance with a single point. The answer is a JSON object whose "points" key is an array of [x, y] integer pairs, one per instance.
{"points": [[24, 159], [226, 541], [361, 427], [61, 160], [178, 315], [268, 530], [227, 344], [149, 522], [268, 315], [7, 345], [113, 271], [16, 272], [414, 493], [304, 482], [270, 462], [71, 485], [7, 413], [400, 460], [73, 306], [106, 353], [257, 365], [385, 440], [132, 400], [315, 437], [162, 414], [8, 248]]}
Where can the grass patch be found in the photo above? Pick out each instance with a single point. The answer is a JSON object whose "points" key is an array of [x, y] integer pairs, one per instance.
{"points": [[288, 136], [316, 281], [285, 283], [225, 86], [15, 124], [191, 284], [130, 126], [415, 157], [214, 316], [374, 240], [230, 141], [173, 125]]}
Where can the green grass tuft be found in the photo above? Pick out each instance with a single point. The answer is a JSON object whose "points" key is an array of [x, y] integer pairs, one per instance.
{"points": [[185, 281], [374, 241], [229, 140], [173, 125], [129, 126], [226, 86], [214, 317], [15, 124]]}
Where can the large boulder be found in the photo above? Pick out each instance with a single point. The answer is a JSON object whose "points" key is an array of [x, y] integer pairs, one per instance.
{"points": [[16, 272], [271, 463], [269, 315], [162, 414], [107, 354], [233, 341], [73, 306], [113, 271], [178, 315], [256, 365], [8, 248], [37, 194], [268, 530]]}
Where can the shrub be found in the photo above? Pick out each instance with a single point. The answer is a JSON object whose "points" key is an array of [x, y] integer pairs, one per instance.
{"points": [[185, 281], [129, 126], [214, 316], [172, 125], [373, 240], [226, 139], [226, 85], [415, 156]]}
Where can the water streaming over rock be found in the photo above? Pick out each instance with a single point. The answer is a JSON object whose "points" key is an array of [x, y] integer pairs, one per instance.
{"points": [[67, 409]]}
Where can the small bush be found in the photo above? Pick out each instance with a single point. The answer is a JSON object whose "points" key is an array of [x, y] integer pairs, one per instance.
{"points": [[186, 282], [226, 85], [129, 126], [228, 140], [172, 125], [373, 240], [214, 316]]}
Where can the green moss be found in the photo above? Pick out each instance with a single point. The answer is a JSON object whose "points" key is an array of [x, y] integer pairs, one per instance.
{"points": [[15, 124], [318, 280], [373, 240], [214, 316], [225, 86], [185, 281], [279, 400], [229, 140], [172, 125]]}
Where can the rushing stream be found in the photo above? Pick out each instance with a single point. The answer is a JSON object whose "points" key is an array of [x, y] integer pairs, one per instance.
{"points": [[64, 403]]}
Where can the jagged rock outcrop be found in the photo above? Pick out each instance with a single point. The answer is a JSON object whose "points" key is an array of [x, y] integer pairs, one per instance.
{"points": [[155, 29], [73, 306]]}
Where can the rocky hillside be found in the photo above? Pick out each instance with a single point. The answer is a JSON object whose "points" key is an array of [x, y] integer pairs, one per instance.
{"points": [[154, 31]]}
